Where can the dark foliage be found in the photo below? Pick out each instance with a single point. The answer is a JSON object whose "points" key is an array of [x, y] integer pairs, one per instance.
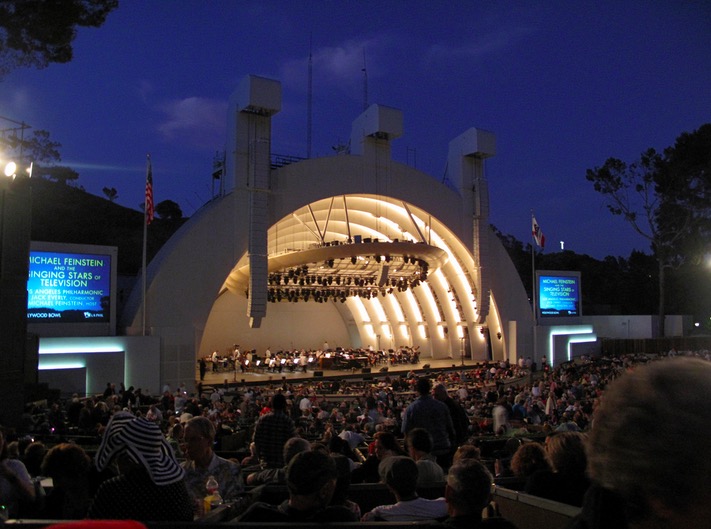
{"points": [[613, 285], [61, 213], [40, 32]]}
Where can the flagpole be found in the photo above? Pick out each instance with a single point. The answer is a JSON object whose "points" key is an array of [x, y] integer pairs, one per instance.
{"points": [[533, 270], [147, 217], [533, 289]]}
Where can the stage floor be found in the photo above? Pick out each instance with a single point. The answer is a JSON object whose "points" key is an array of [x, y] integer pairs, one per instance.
{"points": [[261, 377]]}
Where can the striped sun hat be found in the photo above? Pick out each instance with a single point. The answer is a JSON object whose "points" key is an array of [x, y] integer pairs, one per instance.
{"points": [[145, 444]]}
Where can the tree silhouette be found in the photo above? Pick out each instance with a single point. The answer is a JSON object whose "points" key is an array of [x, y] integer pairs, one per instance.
{"points": [[38, 33], [665, 198], [110, 193], [169, 210]]}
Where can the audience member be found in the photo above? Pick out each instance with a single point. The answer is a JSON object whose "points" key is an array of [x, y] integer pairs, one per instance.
{"points": [[70, 467], [16, 487], [353, 437], [500, 415], [150, 485], [338, 446], [343, 483], [468, 493], [647, 450], [502, 458], [251, 460], [13, 450], [384, 445], [419, 446], [399, 473], [467, 451], [175, 439], [311, 479], [202, 462], [460, 420], [432, 415], [271, 432], [292, 447], [32, 457], [566, 482], [528, 459]]}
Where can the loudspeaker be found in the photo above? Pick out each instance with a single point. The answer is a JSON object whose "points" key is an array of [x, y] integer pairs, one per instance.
{"points": [[426, 366], [384, 369], [365, 370], [383, 277], [318, 373]]}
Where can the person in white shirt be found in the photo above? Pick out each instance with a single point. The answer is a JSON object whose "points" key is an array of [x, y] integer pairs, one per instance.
{"points": [[352, 437], [305, 404], [400, 475], [462, 393], [214, 360]]}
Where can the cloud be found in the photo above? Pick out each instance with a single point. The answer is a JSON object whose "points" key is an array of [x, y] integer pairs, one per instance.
{"points": [[15, 102], [339, 65], [196, 121], [104, 167], [480, 48]]}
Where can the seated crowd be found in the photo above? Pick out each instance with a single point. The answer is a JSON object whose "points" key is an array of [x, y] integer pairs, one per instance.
{"points": [[437, 450]]}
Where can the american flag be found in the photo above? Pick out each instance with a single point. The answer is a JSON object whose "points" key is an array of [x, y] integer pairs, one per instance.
{"points": [[537, 233], [150, 210]]}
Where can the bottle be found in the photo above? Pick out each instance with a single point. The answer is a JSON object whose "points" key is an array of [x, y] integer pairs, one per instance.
{"points": [[213, 498]]}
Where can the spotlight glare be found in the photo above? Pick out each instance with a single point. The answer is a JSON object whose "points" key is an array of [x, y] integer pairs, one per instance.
{"points": [[10, 169]]}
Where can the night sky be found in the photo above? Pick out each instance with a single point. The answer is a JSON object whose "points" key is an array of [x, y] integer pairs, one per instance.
{"points": [[563, 85]]}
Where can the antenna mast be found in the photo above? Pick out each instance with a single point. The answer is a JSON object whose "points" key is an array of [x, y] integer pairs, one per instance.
{"points": [[309, 101], [365, 83]]}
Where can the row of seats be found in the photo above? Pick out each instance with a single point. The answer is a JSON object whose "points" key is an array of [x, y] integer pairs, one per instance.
{"points": [[531, 512], [42, 524], [366, 495], [525, 511]]}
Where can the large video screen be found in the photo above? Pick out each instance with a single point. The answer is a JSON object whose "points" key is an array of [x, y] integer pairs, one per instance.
{"points": [[71, 284], [68, 287], [558, 294]]}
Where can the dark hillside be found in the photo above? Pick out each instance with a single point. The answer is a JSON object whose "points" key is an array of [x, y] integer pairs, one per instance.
{"points": [[61, 213]]}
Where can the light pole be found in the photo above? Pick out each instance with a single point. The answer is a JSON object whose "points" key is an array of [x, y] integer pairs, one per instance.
{"points": [[13, 170], [18, 352]]}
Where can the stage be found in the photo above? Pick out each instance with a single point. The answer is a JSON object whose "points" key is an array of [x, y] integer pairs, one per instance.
{"points": [[264, 377]]}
